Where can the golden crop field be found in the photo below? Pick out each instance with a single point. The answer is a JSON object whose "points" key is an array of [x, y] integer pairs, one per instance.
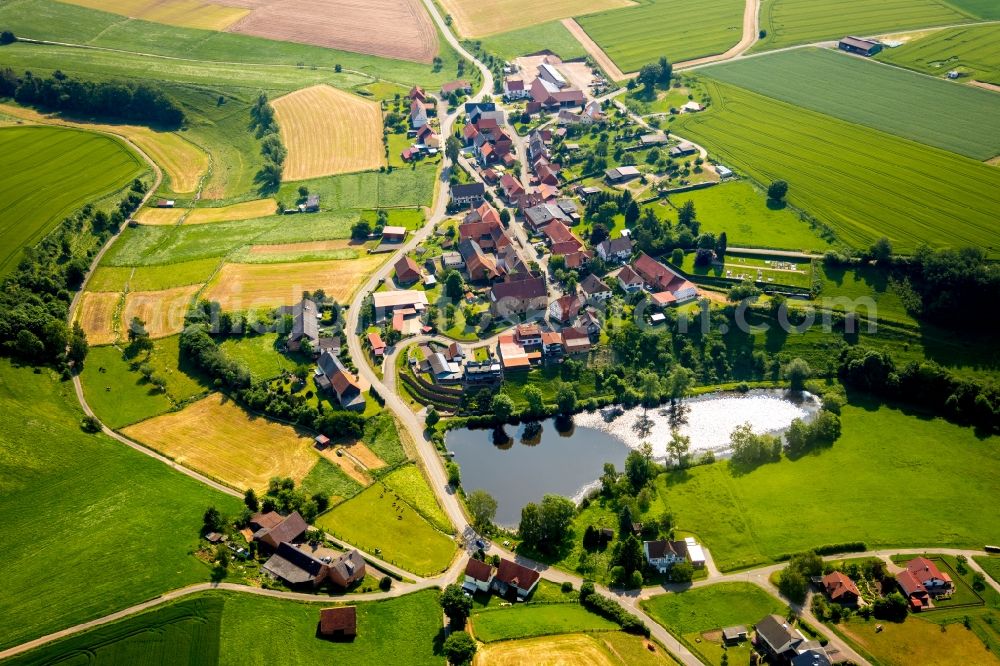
{"points": [[183, 163], [162, 311], [246, 286], [329, 131], [348, 466], [479, 19], [217, 437], [159, 216], [184, 13], [95, 313], [247, 210], [564, 650]]}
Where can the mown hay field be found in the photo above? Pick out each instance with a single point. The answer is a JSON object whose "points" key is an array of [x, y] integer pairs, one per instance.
{"points": [[677, 29], [247, 210], [389, 28], [184, 13], [375, 519], [162, 311], [566, 650], [527, 621], [863, 183], [47, 173], [329, 131], [129, 521], [183, 163], [152, 278], [789, 22], [95, 312], [918, 641], [974, 51], [217, 437], [242, 286], [478, 19], [962, 119]]}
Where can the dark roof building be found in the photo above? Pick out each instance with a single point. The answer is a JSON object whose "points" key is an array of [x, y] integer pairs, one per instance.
{"points": [[338, 621], [295, 566], [343, 383], [271, 528], [305, 325], [865, 47], [479, 570], [468, 193], [347, 569], [518, 294], [776, 637]]}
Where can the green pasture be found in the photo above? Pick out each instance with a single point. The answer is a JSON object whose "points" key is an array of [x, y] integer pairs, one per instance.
{"points": [[382, 437], [58, 22], [991, 565], [541, 619], [213, 628], [127, 522], [552, 36], [407, 187], [790, 22], [119, 395], [750, 518], [152, 278], [48, 173], [973, 50], [741, 210], [409, 483], [677, 29], [963, 119], [327, 478], [984, 9], [375, 519], [858, 282], [863, 183], [260, 354]]}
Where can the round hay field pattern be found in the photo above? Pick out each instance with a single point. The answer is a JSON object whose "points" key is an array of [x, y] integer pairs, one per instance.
{"points": [[162, 311], [329, 131], [242, 286], [390, 28], [96, 315], [218, 438]]}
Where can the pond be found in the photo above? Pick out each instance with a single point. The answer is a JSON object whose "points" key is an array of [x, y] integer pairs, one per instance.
{"points": [[521, 464]]}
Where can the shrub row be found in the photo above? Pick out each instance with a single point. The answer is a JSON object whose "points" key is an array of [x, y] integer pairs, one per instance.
{"points": [[612, 610]]}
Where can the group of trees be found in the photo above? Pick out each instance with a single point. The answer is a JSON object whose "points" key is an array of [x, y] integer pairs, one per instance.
{"points": [[35, 297], [612, 610], [132, 101], [953, 284], [282, 496], [924, 383], [656, 74], [265, 128], [545, 527], [794, 580]]}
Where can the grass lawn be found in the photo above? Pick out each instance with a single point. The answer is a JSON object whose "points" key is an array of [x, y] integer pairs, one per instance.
{"points": [[991, 565], [886, 451], [917, 641], [790, 22], [741, 210], [327, 478], [382, 437], [47, 174], [970, 50], [698, 614], [527, 620], [130, 399], [677, 29], [375, 519], [906, 104], [405, 187], [129, 522], [409, 483], [260, 354], [849, 176], [861, 282], [552, 36]]}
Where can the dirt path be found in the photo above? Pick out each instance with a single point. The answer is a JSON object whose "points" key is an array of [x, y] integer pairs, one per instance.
{"points": [[596, 52], [984, 85]]}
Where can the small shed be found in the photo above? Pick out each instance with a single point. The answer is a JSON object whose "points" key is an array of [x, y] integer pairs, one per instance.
{"points": [[338, 622], [731, 635], [322, 441], [393, 234]]}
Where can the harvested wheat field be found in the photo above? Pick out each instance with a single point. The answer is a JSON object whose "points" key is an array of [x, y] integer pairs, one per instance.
{"points": [[347, 465], [246, 286], [159, 216], [95, 313], [217, 437], [475, 18], [162, 311], [329, 131], [248, 210], [184, 13], [299, 248], [391, 28], [183, 163], [367, 457], [565, 650]]}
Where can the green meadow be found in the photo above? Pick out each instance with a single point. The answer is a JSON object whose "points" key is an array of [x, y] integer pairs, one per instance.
{"points": [[857, 90], [402, 188], [790, 22], [409, 482], [741, 210], [862, 485], [972, 50], [127, 522], [119, 395], [863, 183], [677, 29], [214, 628], [552, 36], [47, 173], [526, 621]]}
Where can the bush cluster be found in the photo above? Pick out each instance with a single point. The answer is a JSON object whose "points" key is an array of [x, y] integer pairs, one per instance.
{"points": [[611, 610]]}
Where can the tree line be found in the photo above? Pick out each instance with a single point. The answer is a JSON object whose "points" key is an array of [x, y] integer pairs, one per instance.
{"points": [[265, 127], [136, 102]]}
